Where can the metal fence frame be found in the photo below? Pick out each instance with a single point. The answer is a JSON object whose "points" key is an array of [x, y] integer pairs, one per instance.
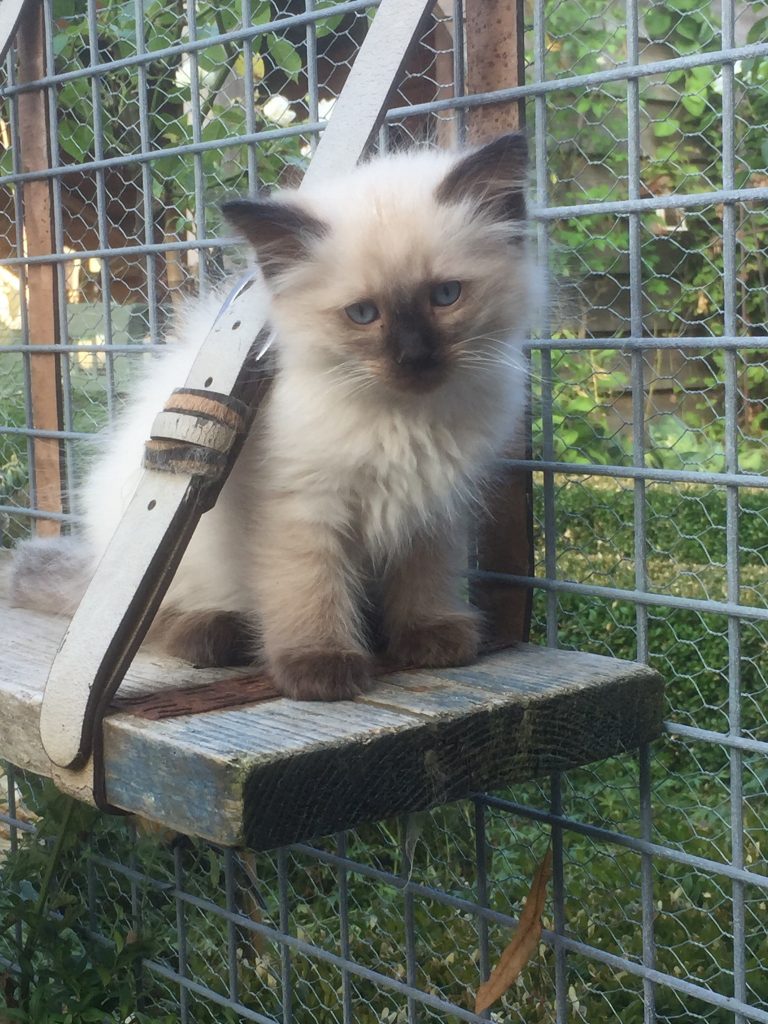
{"points": [[418, 1002]]}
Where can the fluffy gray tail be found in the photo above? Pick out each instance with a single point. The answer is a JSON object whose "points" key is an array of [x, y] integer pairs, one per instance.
{"points": [[50, 574]]}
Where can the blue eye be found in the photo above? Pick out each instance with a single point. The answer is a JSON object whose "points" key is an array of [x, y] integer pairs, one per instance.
{"points": [[445, 293], [362, 312]]}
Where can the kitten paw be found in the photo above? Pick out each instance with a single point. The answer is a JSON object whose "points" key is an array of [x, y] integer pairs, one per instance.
{"points": [[209, 639], [454, 640], [322, 674]]}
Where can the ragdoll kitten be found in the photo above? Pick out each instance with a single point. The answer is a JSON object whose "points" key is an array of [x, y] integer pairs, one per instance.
{"points": [[399, 295]]}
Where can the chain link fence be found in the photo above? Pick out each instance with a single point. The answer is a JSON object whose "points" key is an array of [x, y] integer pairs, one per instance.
{"points": [[650, 409]]}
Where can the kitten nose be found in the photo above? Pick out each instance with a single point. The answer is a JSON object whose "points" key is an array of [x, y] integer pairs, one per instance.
{"points": [[414, 351]]}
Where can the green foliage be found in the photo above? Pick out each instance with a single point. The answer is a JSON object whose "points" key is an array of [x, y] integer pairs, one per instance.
{"points": [[592, 411], [64, 975], [173, 83], [681, 252]]}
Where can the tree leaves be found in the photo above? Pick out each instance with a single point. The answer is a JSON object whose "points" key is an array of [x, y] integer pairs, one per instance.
{"points": [[284, 54], [524, 941]]}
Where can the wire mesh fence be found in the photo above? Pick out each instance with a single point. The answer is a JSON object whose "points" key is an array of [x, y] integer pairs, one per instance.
{"points": [[650, 407]]}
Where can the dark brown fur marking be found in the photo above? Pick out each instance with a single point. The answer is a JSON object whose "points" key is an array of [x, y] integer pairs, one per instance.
{"points": [[494, 175], [414, 343], [281, 233], [209, 639], [454, 640], [322, 675]]}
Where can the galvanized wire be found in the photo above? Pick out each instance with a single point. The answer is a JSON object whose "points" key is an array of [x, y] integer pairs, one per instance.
{"points": [[649, 487]]}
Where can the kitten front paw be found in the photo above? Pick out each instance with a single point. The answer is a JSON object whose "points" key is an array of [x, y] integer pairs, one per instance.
{"points": [[322, 674], [442, 643]]}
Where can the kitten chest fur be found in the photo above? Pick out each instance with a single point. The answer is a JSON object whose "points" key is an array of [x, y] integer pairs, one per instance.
{"points": [[377, 468]]}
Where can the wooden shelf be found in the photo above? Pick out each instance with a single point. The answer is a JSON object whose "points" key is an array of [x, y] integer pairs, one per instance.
{"points": [[278, 771]]}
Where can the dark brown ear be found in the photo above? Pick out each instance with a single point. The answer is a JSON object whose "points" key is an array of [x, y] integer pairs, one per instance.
{"points": [[281, 234], [494, 176]]}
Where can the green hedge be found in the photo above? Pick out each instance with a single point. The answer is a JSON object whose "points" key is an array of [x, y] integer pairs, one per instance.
{"points": [[686, 521]]}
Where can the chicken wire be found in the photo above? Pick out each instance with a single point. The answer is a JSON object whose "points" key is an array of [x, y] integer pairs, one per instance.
{"points": [[649, 457]]}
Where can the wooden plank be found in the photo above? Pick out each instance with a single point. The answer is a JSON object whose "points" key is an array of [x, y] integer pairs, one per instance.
{"points": [[10, 14], [496, 60], [118, 608], [279, 771], [42, 315]]}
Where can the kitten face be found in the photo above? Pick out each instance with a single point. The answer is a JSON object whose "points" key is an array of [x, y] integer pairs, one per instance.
{"points": [[406, 274], [408, 333]]}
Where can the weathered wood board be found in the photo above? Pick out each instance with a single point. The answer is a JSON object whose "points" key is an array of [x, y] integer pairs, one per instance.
{"points": [[279, 771]]}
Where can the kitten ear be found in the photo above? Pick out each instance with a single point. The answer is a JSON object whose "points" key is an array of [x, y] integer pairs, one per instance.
{"points": [[494, 176], [281, 233]]}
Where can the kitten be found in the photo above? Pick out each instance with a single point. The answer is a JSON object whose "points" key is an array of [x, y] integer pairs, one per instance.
{"points": [[399, 295]]}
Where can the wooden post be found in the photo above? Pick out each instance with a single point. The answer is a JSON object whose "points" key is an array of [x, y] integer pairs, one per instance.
{"points": [[495, 60], [42, 311]]}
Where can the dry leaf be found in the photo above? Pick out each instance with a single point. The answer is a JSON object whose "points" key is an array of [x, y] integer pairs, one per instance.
{"points": [[524, 941]]}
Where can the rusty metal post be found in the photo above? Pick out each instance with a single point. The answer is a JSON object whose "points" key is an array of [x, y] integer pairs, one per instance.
{"points": [[495, 34], [41, 297], [495, 60]]}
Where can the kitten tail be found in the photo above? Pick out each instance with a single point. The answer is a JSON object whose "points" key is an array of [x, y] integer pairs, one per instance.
{"points": [[50, 574]]}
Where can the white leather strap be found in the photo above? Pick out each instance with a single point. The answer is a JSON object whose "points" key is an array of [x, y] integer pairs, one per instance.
{"points": [[190, 429], [152, 536], [10, 15]]}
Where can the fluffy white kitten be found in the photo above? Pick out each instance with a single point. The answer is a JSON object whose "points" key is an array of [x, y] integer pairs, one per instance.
{"points": [[399, 295]]}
